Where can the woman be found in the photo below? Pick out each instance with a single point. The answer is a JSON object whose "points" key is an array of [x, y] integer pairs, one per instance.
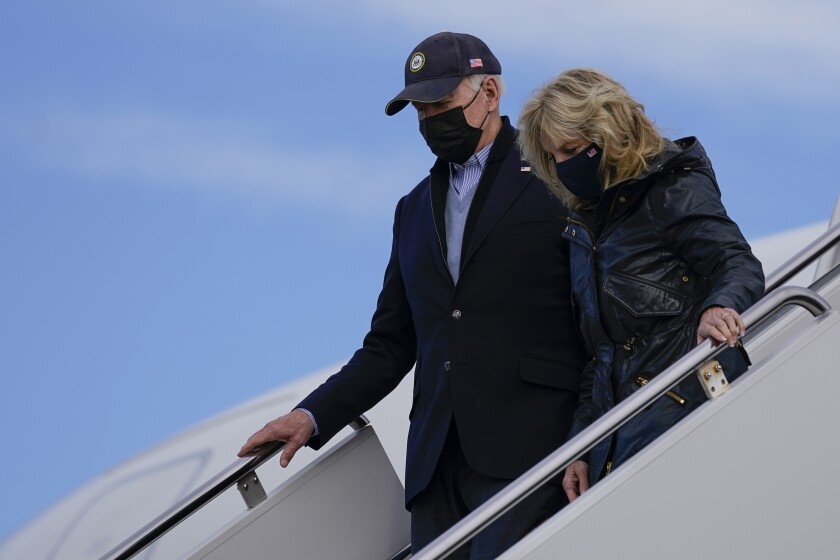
{"points": [[657, 265]]}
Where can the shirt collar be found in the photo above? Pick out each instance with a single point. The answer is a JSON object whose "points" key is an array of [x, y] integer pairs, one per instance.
{"points": [[479, 158]]}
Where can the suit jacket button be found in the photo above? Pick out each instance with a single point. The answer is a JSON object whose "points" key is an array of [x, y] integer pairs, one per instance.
{"points": [[456, 314], [446, 366]]}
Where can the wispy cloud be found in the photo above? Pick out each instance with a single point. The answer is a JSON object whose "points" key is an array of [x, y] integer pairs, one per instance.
{"points": [[166, 151], [782, 48]]}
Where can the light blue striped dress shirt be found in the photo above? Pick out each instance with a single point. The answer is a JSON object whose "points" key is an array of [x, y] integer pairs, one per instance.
{"points": [[462, 182]]}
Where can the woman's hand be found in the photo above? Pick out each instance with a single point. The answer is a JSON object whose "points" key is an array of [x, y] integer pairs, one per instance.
{"points": [[576, 479], [721, 324]]}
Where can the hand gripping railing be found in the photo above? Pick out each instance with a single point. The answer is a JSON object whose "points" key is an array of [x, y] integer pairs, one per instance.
{"points": [[555, 463], [241, 472], [803, 258]]}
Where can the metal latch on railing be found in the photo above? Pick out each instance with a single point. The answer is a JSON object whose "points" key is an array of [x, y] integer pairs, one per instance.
{"points": [[251, 489], [713, 379]]}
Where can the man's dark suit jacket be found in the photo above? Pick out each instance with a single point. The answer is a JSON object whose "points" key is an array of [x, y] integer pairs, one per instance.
{"points": [[500, 351]]}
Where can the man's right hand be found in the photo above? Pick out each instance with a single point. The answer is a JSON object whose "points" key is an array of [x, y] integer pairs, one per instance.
{"points": [[295, 428], [576, 480]]}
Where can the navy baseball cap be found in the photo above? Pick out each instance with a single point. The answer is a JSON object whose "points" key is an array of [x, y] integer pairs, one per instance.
{"points": [[438, 64]]}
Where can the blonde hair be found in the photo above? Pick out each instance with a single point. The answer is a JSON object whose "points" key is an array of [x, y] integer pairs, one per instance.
{"points": [[587, 103]]}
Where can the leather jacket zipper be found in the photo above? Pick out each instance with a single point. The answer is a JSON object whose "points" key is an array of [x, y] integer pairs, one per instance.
{"points": [[581, 224], [641, 382]]}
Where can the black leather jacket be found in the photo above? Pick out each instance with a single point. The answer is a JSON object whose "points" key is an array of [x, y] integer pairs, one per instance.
{"points": [[655, 253]]}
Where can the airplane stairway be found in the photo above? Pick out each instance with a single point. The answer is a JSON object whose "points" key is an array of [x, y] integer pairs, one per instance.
{"points": [[347, 503], [746, 475]]}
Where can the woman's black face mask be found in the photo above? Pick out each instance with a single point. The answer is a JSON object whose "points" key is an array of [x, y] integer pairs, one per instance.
{"points": [[450, 136], [580, 174]]}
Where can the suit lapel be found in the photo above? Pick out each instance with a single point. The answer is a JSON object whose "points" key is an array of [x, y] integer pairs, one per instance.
{"points": [[438, 188], [505, 185]]}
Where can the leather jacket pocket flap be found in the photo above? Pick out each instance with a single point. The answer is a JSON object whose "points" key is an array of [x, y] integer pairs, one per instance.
{"points": [[644, 298], [549, 373]]}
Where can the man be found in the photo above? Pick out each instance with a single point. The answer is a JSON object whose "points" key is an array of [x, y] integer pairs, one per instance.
{"points": [[476, 297]]}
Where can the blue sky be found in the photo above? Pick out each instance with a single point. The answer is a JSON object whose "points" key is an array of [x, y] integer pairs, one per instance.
{"points": [[196, 197]]}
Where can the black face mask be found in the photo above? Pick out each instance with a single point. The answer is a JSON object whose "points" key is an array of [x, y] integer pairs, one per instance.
{"points": [[450, 136], [580, 174]]}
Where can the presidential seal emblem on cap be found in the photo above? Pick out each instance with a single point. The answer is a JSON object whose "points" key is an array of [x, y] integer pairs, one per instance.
{"points": [[417, 62]]}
